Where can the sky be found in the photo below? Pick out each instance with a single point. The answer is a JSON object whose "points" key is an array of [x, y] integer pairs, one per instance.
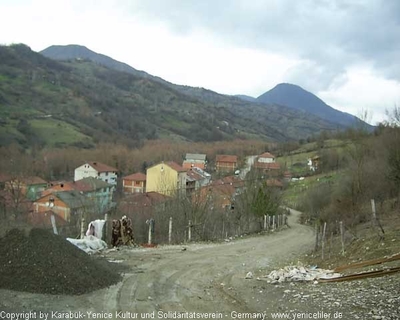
{"points": [[345, 52]]}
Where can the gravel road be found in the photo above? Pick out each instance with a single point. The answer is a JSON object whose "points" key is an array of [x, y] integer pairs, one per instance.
{"points": [[207, 279]]}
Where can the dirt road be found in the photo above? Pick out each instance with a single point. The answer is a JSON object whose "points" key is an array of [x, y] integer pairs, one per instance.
{"points": [[204, 278]]}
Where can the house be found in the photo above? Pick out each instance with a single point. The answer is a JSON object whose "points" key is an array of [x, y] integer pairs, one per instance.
{"points": [[30, 187], [142, 203], [217, 196], [266, 157], [97, 170], [195, 160], [313, 163], [266, 163], [65, 204], [167, 178], [226, 163], [134, 183], [195, 179], [220, 194], [97, 192]]}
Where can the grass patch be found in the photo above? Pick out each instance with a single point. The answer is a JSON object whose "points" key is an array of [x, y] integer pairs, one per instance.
{"points": [[57, 132]]}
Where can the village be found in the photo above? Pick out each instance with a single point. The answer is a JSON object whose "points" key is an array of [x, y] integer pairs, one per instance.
{"points": [[197, 186]]}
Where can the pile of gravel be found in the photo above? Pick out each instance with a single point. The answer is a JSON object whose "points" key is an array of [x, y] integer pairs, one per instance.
{"points": [[42, 262]]}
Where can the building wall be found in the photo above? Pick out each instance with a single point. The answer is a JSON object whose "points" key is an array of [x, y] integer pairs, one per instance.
{"points": [[109, 177], [59, 208], [266, 160], [163, 179], [100, 200], [85, 171], [130, 186], [190, 164], [226, 166]]}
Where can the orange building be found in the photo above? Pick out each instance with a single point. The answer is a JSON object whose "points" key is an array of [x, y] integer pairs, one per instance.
{"points": [[226, 163], [134, 183]]}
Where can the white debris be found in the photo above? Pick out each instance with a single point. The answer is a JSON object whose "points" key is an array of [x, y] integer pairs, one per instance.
{"points": [[89, 244], [249, 275], [300, 273], [95, 228]]}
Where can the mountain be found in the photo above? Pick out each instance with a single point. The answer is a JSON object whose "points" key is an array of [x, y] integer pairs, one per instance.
{"points": [[295, 97], [245, 98], [73, 51], [80, 102]]}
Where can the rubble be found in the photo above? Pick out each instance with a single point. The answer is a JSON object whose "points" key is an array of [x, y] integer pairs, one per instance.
{"points": [[300, 273], [89, 244]]}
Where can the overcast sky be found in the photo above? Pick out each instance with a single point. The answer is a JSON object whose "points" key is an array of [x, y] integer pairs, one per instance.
{"points": [[346, 52]]}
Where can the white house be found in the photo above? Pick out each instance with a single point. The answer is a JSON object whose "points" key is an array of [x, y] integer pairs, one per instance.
{"points": [[96, 170], [266, 157]]}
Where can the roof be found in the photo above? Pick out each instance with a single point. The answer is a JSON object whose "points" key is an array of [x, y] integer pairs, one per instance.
{"points": [[32, 180], [198, 174], [274, 183], [195, 156], [147, 199], [266, 155], [101, 167], [226, 158], [135, 177], [72, 199], [229, 180], [175, 166], [89, 184], [58, 187], [193, 176]]}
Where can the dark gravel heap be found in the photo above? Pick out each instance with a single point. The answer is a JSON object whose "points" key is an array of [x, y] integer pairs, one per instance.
{"points": [[42, 262]]}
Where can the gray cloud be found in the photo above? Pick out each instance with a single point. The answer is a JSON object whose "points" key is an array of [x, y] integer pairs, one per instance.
{"points": [[328, 36]]}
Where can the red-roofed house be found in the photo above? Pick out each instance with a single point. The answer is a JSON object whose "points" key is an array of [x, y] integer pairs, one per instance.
{"points": [[97, 192], [266, 157], [141, 203], [30, 187], [97, 170], [266, 163], [195, 160], [134, 183], [226, 163]]}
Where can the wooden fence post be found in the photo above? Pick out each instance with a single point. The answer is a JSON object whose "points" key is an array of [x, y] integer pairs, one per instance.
{"points": [[190, 231], [170, 231], [316, 237], [323, 241], [150, 234], [342, 235], [375, 221], [82, 227]]}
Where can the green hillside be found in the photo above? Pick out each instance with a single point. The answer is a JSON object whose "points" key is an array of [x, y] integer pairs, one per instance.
{"points": [[79, 102]]}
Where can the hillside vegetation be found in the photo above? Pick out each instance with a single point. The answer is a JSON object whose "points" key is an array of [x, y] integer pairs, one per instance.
{"points": [[91, 103]]}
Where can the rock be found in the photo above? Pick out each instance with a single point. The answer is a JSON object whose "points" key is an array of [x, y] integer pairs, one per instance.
{"points": [[249, 275]]}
